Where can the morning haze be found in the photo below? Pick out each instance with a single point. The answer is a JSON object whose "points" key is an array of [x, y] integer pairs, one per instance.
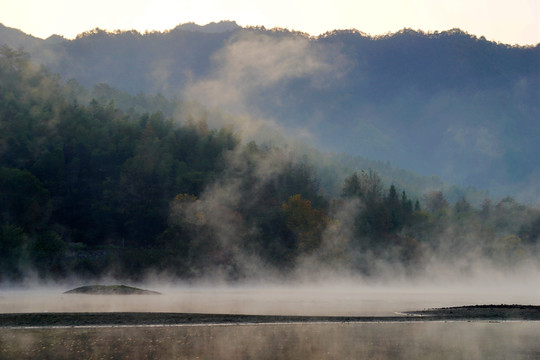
{"points": [[210, 172], [240, 170]]}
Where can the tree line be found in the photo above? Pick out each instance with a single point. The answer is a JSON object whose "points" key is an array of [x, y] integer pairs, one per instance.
{"points": [[87, 189]]}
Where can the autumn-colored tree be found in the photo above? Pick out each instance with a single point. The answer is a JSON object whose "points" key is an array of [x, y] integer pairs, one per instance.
{"points": [[306, 222]]}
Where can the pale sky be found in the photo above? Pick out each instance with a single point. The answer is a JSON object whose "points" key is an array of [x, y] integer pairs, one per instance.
{"points": [[506, 21]]}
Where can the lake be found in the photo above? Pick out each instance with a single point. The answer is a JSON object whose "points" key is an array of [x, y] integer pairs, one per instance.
{"points": [[418, 340], [383, 340]]}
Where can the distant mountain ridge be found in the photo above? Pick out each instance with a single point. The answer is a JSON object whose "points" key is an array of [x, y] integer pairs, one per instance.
{"points": [[213, 27], [447, 103]]}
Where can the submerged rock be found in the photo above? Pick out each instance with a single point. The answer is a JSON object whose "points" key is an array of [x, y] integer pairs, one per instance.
{"points": [[111, 290]]}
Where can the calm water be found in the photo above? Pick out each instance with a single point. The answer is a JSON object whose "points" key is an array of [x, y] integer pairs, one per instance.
{"points": [[414, 340], [430, 340], [328, 299]]}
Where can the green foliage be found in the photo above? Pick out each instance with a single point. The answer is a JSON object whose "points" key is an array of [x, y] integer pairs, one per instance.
{"points": [[23, 199], [86, 188], [13, 252], [378, 214], [47, 253], [423, 101], [367, 186], [104, 177]]}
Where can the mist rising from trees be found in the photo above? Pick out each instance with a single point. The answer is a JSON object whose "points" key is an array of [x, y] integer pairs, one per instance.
{"points": [[446, 103], [90, 190]]}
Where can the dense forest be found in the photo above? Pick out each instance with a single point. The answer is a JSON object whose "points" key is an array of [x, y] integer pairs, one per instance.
{"points": [[90, 190]]}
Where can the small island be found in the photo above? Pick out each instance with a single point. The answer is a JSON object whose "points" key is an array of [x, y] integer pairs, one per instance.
{"points": [[481, 312], [110, 290]]}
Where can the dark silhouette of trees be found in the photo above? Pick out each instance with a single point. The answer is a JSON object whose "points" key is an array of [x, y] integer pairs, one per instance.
{"points": [[87, 188]]}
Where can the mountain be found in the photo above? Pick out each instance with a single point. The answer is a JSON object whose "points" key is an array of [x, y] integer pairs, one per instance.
{"points": [[447, 104], [213, 27], [17, 38]]}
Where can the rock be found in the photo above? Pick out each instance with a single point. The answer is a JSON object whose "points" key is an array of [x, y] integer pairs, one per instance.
{"points": [[110, 290]]}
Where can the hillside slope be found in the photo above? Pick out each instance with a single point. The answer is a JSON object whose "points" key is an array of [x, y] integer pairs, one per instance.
{"points": [[446, 104]]}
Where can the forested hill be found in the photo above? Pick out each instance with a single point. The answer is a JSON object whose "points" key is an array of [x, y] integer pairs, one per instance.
{"points": [[89, 190], [446, 104]]}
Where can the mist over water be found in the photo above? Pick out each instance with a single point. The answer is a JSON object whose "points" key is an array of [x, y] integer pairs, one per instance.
{"points": [[329, 297], [339, 273], [385, 340]]}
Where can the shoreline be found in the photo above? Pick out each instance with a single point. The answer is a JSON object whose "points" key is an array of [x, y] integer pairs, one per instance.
{"points": [[83, 319], [166, 319]]}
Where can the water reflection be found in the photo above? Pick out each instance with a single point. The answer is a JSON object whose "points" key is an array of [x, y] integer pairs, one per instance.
{"points": [[431, 340]]}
